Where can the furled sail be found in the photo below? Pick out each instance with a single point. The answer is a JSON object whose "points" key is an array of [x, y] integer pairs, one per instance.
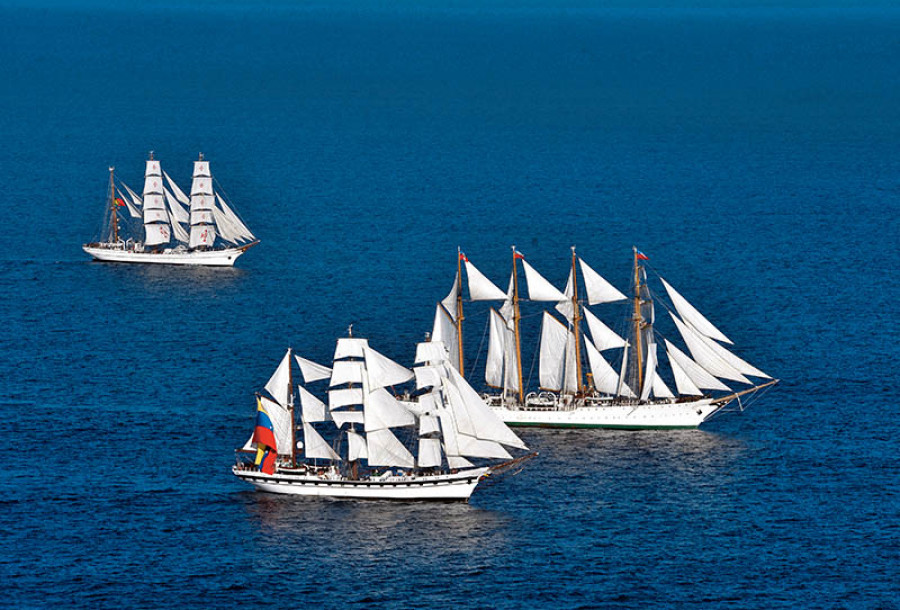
{"points": [[203, 231], [557, 364], [693, 317], [481, 288], [539, 289], [598, 289], [315, 446], [312, 371], [385, 450]]}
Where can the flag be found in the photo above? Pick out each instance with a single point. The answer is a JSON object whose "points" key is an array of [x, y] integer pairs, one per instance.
{"points": [[641, 256], [463, 257], [264, 437], [265, 459], [119, 202], [517, 254]]}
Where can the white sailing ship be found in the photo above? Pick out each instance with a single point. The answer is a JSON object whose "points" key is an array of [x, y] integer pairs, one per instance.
{"points": [[459, 438], [165, 226], [631, 396]]}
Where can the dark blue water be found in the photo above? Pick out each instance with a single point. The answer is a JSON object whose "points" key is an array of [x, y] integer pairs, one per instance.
{"points": [[751, 152]]}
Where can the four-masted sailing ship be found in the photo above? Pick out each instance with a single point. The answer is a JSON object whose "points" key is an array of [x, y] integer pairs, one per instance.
{"points": [[165, 226], [632, 396], [459, 439]]}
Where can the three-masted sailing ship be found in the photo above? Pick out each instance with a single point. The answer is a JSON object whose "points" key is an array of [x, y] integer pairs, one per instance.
{"points": [[572, 395], [459, 439], [165, 226]]}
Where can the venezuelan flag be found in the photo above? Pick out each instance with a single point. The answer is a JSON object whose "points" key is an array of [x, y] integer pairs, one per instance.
{"points": [[264, 433], [265, 459]]}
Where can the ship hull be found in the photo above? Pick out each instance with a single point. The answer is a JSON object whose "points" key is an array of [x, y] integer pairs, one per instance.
{"points": [[206, 258], [652, 416], [458, 487]]}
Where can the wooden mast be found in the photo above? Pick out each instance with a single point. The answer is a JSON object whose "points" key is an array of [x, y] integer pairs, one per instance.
{"points": [[291, 411], [516, 320], [459, 309], [576, 318], [112, 206], [638, 319]]}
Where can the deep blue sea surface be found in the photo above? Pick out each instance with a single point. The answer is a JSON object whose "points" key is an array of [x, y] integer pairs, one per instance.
{"points": [[751, 151]]}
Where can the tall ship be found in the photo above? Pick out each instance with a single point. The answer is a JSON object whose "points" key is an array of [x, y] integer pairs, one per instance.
{"points": [[165, 226], [353, 439], [591, 376]]}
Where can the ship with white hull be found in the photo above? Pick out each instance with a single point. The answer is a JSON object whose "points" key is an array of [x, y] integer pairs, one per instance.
{"points": [[164, 226], [365, 459], [570, 397]]}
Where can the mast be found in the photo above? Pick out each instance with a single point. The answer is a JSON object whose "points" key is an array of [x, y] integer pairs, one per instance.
{"points": [[459, 309], [576, 318], [516, 317], [638, 320], [290, 406], [112, 205]]}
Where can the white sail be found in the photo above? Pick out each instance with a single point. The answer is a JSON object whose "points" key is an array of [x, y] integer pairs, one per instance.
{"points": [[493, 369], [344, 397], [598, 289], [132, 209], [154, 215], [705, 355], [312, 371], [429, 453], [315, 446], [649, 371], [350, 347], [481, 288], [135, 198], [693, 317], [566, 308], [606, 379], [683, 382], [660, 389], [241, 228], [179, 233], [178, 213], [539, 289], [428, 424], [156, 234], [382, 371], [225, 229], [385, 450], [455, 462], [154, 201], [176, 190], [203, 232], [314, 410], [698, 376], [444, 331], [427, 377], [385, 411], [281, 424], [356, 446], [475, 447], [488, 426], [347, 371], [450, 300], [347, 417], [279, 384], [623, 389], [431, 351], [603, 336], [557, 364]]}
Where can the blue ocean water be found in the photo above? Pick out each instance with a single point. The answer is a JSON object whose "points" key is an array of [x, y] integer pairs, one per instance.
{"points": [[749, 150]]}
